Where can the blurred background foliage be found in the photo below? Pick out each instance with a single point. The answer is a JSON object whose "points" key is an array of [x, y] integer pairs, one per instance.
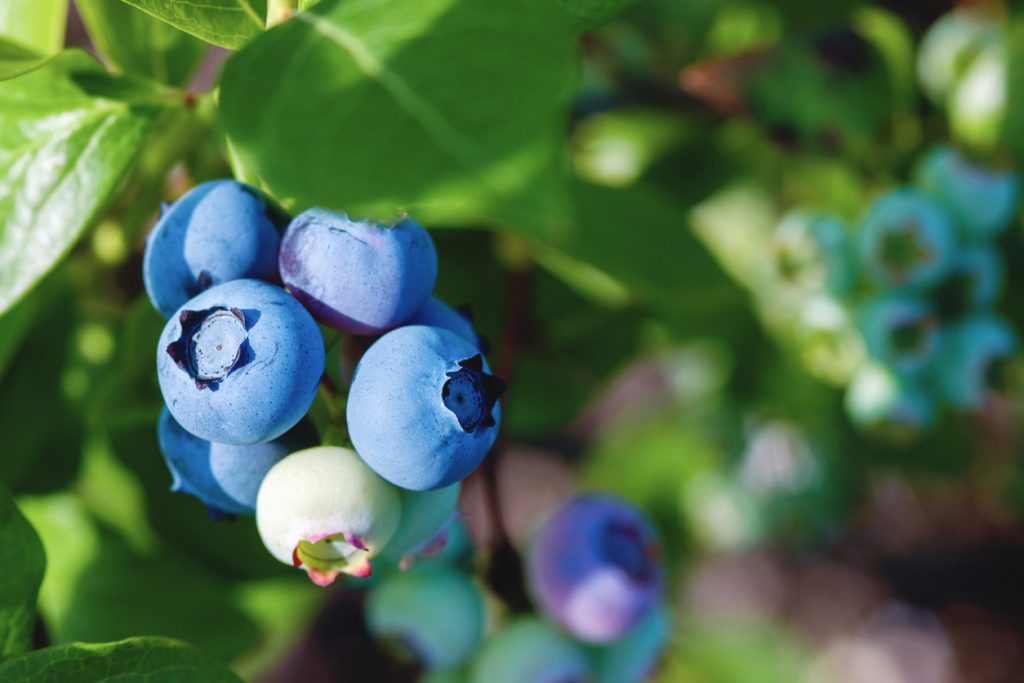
{"points": [[652, 347]]}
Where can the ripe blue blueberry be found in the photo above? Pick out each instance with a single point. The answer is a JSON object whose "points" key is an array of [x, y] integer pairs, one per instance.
{"points": [[891, 406], [594, 567], [322, 509], [422, 530], [422, 408], [528, 650], [434, 614], [984, 201], [224, 477], [907, 240], [240, 363], [972, 358], [902, 331], [357, 275], [436, 313], [219, 231], [814, 252], [634, 658]]}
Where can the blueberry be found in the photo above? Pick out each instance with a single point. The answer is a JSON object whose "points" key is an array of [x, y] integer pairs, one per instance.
{"points": [[436, 313], [984, 201], [357, 275], [975, 281], [240, 363], [634, 658], [422, 408], [975, 352], [422, 528], [594, 567], [814, 252], [219, 231], [224, 477], [902, 331], [907, 240], [528, 650], [891, 406], [322, 509], [948, 48], [978, 107], [434, 614]]}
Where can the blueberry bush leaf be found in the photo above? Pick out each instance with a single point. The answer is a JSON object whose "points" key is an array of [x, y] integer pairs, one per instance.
{"points": [[454, 110], [135, 42], [16, 60], [69, 135], [154, 660], [36, 24], [21, 571], [228, 23], [588, 15]]}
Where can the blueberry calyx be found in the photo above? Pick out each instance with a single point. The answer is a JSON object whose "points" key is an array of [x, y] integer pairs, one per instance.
{"points": [[902, 250], [624, 545], [470, 393], [213, 343], [324, 557]]}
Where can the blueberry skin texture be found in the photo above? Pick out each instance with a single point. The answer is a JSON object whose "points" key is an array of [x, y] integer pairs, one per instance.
{"points": [[902, 331], [219, 231], [224, 477], [357, 275], [907, 240], [593, 567], [408, 607], [974, 347], [240, 381], [528, 650], [436, 313], [399, 420], [984, 201]]}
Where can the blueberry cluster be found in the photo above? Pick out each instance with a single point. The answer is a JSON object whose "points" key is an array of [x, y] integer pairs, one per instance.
{"points": [[240, 362], [920, 275], [594, 571]]}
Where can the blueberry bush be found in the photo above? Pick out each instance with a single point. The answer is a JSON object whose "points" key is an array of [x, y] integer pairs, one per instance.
{"points": [[532, 341]]}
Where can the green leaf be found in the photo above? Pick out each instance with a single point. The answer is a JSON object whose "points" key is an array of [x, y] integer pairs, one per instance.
{"points": [[228, 23], [588, 15], [21, 571], [154, 660], [16, 60], [36, 24], [69, 134], [134, 41], [454, 110]]}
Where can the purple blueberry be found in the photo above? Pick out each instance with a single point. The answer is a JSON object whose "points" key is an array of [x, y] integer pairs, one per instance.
{"points": [[357, 275], [422, 408], [225, 478], [240, 363], [594, 567], [907, 240], [219, 231]]}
